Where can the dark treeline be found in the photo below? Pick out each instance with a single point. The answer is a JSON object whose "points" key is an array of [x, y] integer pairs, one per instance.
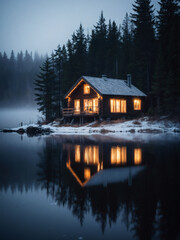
{"points": [[17, 75], [145, 45]]}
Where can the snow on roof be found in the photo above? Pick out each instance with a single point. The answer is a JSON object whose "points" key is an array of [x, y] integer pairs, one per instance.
{"points": [[114, 175], [110, 86]]}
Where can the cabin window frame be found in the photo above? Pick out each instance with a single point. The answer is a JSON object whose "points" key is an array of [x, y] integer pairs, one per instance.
{"points": [[91, 109], [86, 89], [137, 104], [77, 111], [117, 104]]}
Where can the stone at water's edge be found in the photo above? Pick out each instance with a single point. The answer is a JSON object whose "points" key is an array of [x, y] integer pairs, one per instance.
{"points": [[31, 131]]}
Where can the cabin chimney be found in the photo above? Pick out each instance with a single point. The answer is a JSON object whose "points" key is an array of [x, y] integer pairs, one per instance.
{"points": [[129, 80], [104, 77]]}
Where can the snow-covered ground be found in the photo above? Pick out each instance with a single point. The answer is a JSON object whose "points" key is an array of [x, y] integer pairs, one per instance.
{"points": [[137, 126]]}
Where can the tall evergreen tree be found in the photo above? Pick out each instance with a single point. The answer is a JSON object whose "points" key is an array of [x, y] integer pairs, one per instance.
{"points": [[167, 74], [59, 60], [113, 49], [144, 43], [98, 47], [80, 52], [44, 87], [126, 48]]}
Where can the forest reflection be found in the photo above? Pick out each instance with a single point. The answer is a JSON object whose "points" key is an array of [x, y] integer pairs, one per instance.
{"points": [[137, 183]]}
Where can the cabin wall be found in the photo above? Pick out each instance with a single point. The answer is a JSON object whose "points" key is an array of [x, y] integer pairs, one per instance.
{"points": [[130, 112]]}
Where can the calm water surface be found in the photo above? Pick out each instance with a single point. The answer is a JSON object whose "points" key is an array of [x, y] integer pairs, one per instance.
{"points": [[88, 188]]}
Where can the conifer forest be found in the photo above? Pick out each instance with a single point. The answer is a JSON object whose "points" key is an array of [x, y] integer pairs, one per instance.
{"points": [[146, 44]]}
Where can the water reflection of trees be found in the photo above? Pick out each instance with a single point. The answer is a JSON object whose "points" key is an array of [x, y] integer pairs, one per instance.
{"points": [[150, 207]]}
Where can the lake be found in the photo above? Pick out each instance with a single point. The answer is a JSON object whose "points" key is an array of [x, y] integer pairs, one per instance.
{"points": [[89, 187], [13, 117]]}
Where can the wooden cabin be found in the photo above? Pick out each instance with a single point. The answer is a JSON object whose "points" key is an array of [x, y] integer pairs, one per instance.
{"points": [[104, 98]]}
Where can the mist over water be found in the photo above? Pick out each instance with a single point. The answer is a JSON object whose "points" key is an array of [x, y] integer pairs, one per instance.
{"points": [[12, 117]]}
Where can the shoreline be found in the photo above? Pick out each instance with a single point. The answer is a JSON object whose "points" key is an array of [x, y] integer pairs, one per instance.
{"points": [[139, 126]]}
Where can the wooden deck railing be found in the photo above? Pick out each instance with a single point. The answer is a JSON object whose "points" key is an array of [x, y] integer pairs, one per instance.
{"points": [[82, 111]]}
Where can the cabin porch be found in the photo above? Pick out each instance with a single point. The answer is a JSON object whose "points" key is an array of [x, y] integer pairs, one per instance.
{"points": [[77, 112]]}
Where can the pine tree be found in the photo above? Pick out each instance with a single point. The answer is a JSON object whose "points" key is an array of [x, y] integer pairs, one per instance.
{"points": [[113, 49], [126, 48], [167, 74], [98, 47], [144, 43], [44, 87], [80, 52]]}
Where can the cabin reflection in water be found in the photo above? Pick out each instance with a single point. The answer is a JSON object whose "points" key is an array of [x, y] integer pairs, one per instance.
{"points": [[118, 155], [93, 165]]}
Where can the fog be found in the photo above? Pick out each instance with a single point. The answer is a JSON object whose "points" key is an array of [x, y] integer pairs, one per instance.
{"points": [[12, 117]]}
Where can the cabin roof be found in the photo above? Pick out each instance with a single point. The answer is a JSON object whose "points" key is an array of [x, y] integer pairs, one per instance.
{"points": [[110, 86]]}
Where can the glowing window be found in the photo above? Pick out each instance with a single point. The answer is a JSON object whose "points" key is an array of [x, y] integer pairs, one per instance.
{"points": [[87, 173], [118, 155], [137, 104], [76, 106], [117, 105], [91, 105], [77, 153], [86, 89], [137, 156]]}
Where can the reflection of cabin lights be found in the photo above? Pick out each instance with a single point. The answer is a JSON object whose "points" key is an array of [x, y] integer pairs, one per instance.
{"points": [[77, 153], [137, 104], [101, 165], [91, 155], [98, 167], [137, 156], [118, 155], [87, 173]]}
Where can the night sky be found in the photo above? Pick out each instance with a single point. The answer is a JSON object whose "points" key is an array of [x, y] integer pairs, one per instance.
{"points": [[40, 25]]}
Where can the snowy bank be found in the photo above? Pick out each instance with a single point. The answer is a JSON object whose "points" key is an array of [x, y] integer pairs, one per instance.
{"points": [[142, 125]]}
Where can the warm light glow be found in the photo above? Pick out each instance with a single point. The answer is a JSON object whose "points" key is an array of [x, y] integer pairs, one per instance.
{"points": [[91, 105], [123, 106], [137, 156], [77, 153], [117, 105], [87, 173], [74, 88], [77, 106], [99, 96], [101, 165], [86, 89], [91, 155], [137, 104], [118, 155], [69, 101], [68, 165]]}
